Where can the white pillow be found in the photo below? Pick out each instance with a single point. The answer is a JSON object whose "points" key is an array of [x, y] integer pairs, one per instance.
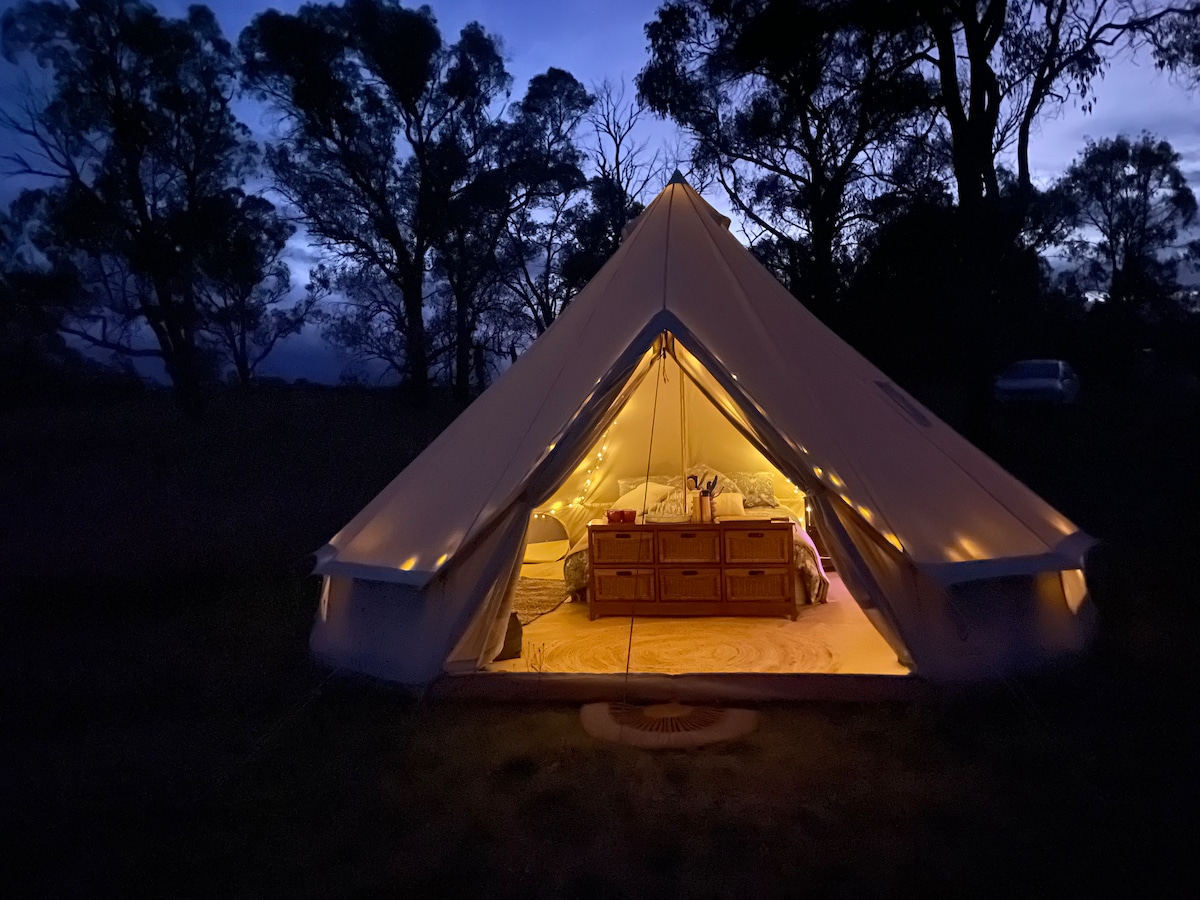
{"points": [[546, 551], [646, 494], [729, 503]]}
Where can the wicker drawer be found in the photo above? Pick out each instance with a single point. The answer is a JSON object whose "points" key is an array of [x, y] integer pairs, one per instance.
{"points": [[686, 545], [622, 548], [703, 585], [758, 585], [623, 584], [758, 546]]}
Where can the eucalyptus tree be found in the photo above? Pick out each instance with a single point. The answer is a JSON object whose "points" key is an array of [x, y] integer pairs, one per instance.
{"points": [[134, 133], [624, 173], [1132, 203], [1002, 65], [795, 130], [35, 298], [545, 165], [373, 105], [245, 286], [505, 228]]}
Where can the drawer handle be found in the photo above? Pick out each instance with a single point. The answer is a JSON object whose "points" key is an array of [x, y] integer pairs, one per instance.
{"points": [[757, 572], [688, 534], [626, 574], [757, 534], [690, 572], [623, 537]]}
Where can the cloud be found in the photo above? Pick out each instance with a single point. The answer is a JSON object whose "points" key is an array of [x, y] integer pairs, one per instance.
{"points": [[1132, 98]]}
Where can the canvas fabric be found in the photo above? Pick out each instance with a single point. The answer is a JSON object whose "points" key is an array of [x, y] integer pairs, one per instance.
{"points": [[681, 314]]}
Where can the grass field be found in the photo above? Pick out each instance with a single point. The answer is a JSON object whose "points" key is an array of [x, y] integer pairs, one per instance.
{"points": [[166, 734]]}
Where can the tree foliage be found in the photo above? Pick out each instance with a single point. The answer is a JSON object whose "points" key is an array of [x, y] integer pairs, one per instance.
{"points": [[381, 121], [244, 284], [497, 252], [147, 160], [1132, 202], [1003, 64], [795, 130]]}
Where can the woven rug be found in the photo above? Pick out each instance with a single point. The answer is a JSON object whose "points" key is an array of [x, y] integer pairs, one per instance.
{"points": [[676, 647], [535, 597], [663, 726]]}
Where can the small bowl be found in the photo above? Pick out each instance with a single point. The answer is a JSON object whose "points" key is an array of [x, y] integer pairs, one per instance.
{"points": [[616, 516], [629, 516]]}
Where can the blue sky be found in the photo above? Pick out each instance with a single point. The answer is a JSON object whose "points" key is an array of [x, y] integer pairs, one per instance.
{"points": [[598, 40]]}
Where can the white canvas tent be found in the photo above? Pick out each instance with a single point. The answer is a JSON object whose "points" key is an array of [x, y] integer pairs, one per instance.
{"points": [[964, 570]]}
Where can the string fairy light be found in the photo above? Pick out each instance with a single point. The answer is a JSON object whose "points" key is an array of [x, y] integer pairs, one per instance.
{"points": [[594, 467]]}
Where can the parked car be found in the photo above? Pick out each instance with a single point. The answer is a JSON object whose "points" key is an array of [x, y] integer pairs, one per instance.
{"points": [[1037, 381]]}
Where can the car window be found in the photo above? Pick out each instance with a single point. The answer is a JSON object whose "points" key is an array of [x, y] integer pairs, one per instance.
{"points": [[1033, 368]]}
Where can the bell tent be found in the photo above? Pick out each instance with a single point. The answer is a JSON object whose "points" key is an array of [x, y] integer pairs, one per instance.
{"points": [[684, 351]]}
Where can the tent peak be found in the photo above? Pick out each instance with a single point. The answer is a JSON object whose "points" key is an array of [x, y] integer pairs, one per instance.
{"points": [[677, 178]]}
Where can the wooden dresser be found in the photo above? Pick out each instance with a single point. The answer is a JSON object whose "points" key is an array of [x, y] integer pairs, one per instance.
{"points": [[725, 569]]}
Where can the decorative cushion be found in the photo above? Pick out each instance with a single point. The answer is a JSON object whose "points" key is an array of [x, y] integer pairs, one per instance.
{"points": [[546, 551], [728, 503], [757, 487], [625, 485]]}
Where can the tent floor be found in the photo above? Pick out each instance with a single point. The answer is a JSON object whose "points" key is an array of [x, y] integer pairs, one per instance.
{"points": [[832, 638]]}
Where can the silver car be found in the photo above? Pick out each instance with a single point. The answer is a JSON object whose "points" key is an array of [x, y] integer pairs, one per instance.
{"points": [[1037, 381]]}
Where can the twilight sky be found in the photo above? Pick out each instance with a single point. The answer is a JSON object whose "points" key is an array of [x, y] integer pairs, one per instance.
{"points": [[597, 40]]}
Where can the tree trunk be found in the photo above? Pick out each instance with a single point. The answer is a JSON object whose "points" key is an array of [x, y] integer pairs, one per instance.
{"points": [[184, 370], [825, 279], [243, 372], [416, 356], [177, 345], [464, 330], [481, 373], [241, 358]]}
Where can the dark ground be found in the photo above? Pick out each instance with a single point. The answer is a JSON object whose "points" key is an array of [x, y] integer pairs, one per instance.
{"points": [[164, 732]]}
